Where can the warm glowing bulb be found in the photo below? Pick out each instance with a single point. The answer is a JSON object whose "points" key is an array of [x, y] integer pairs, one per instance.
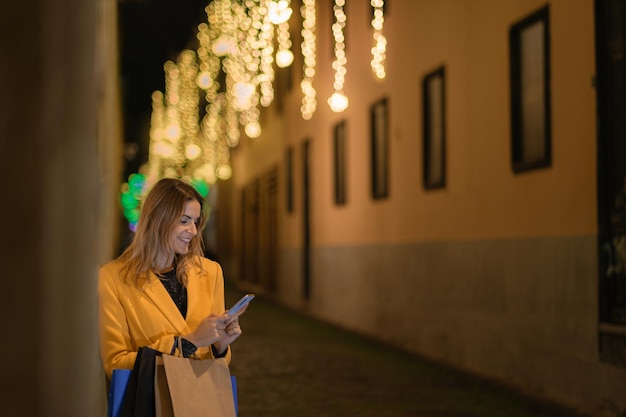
{"points": [[338, 102], [172, 132], [243, 95], [204, 80], [224, 172], [279, 11], [253, 129], [284, 58], [192, 151], [224, 46]]}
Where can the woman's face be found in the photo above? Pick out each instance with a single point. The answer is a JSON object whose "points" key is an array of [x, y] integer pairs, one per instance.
{"points": [[186, 228]]}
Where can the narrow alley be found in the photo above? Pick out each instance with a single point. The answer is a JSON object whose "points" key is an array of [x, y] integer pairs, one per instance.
{"points": [[289, 365]]}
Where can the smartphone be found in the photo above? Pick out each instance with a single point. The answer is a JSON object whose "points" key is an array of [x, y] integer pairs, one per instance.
{"points": [[240, 304]]}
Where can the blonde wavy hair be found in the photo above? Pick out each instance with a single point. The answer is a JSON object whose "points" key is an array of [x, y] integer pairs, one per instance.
{"points": [[162, 209]]}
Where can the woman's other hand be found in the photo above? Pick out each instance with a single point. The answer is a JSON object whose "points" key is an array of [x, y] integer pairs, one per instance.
{"points": [[231, 332]]}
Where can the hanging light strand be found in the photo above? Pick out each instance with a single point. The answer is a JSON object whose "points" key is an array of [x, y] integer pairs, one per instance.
{"points": [[280, 12], [284, 56], [266, 76], [309, 103], [157, 136], [188, 107], [338, 101], [380, 42], [233, 68]]}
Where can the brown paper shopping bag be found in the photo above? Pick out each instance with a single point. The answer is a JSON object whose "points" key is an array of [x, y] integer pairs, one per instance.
{"points": [[162, 398], [197, 388]]}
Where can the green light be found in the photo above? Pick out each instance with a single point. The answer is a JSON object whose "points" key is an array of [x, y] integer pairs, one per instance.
{"points": [[130, 198], [132, 215], [136, 183], [129, 201], [201, 187]]}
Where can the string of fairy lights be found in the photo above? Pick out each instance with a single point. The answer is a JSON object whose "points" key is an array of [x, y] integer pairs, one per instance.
{"points": [[309, 103], [380, 41], [217, 91], [338, 101]]}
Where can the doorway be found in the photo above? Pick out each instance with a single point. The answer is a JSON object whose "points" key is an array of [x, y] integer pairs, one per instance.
{"points": [[306, 220], [610, 22]]}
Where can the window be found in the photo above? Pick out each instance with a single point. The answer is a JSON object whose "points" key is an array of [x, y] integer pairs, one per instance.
{"points": [[380, 149], [339, 142], [434, 140], [289, 179], [530, 91]]}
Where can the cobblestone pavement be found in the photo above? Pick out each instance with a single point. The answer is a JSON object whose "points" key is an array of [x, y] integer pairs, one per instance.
{"points": [[288, 365]]}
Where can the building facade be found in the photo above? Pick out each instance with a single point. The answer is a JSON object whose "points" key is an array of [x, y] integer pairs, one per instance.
{"points": [[465, 208]]}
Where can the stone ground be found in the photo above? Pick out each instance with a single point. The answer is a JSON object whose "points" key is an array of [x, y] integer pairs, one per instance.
{"points": [[288, 365]]}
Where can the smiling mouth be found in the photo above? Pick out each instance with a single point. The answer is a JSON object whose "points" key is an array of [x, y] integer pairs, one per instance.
{"points": [[185, 241]]}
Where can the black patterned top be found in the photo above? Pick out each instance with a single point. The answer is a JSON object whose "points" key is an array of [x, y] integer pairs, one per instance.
{"points": [[177, 291]]}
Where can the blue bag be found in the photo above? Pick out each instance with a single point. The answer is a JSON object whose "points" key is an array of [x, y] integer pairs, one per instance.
{"points": [[233, 381], [119, 382]]}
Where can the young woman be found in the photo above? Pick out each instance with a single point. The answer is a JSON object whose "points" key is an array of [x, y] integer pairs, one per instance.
{"points": [[162, 292]]}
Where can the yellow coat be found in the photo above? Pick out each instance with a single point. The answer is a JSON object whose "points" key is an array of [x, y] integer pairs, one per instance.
{"points": [[130, 317]]}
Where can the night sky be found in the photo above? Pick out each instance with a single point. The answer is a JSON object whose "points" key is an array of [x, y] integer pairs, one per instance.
{"points": [[150, 32]]}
